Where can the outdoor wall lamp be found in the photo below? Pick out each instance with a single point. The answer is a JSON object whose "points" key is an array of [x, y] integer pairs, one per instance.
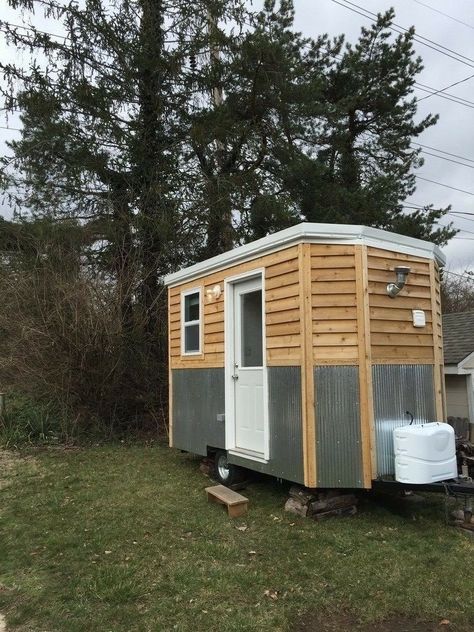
{"points": [[214, 293], [402, 273]]}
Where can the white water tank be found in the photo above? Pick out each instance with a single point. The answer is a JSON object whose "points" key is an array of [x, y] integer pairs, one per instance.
{"points": [[425, 453]]}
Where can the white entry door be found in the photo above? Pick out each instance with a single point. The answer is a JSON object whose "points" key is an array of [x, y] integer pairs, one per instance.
{"points": [[248, 367]]}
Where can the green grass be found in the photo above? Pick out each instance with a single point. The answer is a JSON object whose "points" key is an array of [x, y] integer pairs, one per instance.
{"points": [[120, 538]]}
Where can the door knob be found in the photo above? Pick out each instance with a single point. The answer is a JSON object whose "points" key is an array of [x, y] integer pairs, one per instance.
{"points": [[235, 377]]}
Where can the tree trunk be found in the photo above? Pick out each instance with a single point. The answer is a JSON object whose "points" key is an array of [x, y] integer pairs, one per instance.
{"points": [[123, 257], [155, 211], [220, 233], [349, 164], [219, 225]]}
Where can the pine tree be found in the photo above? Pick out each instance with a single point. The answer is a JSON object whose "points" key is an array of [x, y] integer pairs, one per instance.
{"points": [[101, 143], [266, 83], [364, 168]]}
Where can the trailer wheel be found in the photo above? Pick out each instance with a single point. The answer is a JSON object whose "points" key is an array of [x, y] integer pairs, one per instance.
{"points": [[226, 473]]}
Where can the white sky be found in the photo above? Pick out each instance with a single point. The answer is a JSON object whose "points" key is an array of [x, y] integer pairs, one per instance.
{"points": [[454, 132]]}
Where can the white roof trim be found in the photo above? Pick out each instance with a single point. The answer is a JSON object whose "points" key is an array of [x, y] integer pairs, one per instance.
{"points": [[460, 369], [468, 358], [313, 233]]}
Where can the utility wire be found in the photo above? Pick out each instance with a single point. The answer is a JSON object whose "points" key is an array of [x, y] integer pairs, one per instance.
{"points": [[423, 206], [443, 152], [442, 95], [416, 35], [445, 14], [456, 83], [450, 97], [466, 276], [417, 38], [30, 28], [459, 228], [13, 129], [444, 185], [457, 214], [456, 162]]}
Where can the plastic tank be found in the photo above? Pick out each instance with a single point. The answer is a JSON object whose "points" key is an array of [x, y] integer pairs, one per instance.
{"points": [[425, 453]]}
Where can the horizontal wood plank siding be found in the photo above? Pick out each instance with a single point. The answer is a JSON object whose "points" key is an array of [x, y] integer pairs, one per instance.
{"points": [[282, 313], [334, 304], [393, 337]]}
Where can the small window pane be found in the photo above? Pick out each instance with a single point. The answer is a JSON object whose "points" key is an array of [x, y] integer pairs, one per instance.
{"points": [[191, 338], [191, 307], [251, 310]]}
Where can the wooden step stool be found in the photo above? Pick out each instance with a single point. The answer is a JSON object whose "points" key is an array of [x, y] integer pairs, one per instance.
{"points": [[236, 504]]}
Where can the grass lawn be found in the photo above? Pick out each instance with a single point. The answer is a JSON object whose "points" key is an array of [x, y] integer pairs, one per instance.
{"points": [[120, 538]]}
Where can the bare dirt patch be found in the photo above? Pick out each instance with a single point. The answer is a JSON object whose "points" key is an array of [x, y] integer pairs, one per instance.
{"points": [[346, 623]]}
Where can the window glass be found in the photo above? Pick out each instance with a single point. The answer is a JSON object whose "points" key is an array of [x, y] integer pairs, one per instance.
{"points": [[251, 334], [191, 338], [191, 323], [191, 307]]}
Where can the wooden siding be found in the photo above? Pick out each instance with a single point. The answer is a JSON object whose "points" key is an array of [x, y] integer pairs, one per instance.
{"points": [[366, 403], [334, 304], [307, 369], [335, 322], [393, 337], [282, 309], [437, 328]]}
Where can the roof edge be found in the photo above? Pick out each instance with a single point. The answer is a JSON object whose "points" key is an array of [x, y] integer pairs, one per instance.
{"points": [[313, 233]]}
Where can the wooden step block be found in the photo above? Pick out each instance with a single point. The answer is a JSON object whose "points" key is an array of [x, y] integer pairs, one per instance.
{"points": [[236, 504]]}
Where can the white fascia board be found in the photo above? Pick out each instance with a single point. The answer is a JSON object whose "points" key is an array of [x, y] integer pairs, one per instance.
{"points": [[310, 233], [459, 369], [468, 363], [451, 369]]}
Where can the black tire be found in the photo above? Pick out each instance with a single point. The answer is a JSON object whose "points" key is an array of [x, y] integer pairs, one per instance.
{"points": [[226, 473]]}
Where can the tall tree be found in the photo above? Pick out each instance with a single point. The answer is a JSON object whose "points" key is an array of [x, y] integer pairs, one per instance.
{"points": [[364, 167], [266, 82], [101, 143]]}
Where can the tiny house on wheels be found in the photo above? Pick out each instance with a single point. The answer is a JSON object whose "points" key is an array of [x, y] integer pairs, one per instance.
{"points": [[298, 355]]}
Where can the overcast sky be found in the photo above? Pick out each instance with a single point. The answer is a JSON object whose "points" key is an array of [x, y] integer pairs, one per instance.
{"points": [[450, 25]]}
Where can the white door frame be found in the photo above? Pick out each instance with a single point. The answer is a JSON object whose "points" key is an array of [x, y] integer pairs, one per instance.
{"points": [[229, 355]]}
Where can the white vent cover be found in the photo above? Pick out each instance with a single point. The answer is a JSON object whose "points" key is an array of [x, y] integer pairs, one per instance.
{"points": [[425, 453], [419, 318]]}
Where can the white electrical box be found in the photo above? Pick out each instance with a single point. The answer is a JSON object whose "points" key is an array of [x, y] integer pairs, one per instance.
{"points": [[419, 318], [425, 453]]}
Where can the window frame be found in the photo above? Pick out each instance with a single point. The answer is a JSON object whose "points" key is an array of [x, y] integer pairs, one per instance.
{"points": [[184, 324]]}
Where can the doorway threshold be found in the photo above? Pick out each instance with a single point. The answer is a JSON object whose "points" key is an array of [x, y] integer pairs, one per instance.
{"points": [[248, 454]]}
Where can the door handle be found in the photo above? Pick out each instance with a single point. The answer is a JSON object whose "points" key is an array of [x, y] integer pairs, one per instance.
{"points": [[235, 377]]}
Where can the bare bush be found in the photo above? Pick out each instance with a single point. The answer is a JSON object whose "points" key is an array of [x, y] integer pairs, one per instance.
{"points": [[64, 341], [457, 292]]}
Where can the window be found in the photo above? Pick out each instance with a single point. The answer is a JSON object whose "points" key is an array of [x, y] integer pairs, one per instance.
{"points": [[191, 322], [251, 353]]}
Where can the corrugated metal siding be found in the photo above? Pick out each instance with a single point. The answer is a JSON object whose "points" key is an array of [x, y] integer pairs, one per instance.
{"points": [[198, 397], [338, 435], [398, 388], [286, 426]]}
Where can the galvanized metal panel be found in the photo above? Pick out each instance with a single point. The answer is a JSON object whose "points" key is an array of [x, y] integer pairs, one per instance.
{"points": [[338, 434], [198, 403], [286, 427], [398, 388], [198, 397]]}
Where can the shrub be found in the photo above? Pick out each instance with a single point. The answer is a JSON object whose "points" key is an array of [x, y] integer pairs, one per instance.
{"points": [[66, 342]]}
